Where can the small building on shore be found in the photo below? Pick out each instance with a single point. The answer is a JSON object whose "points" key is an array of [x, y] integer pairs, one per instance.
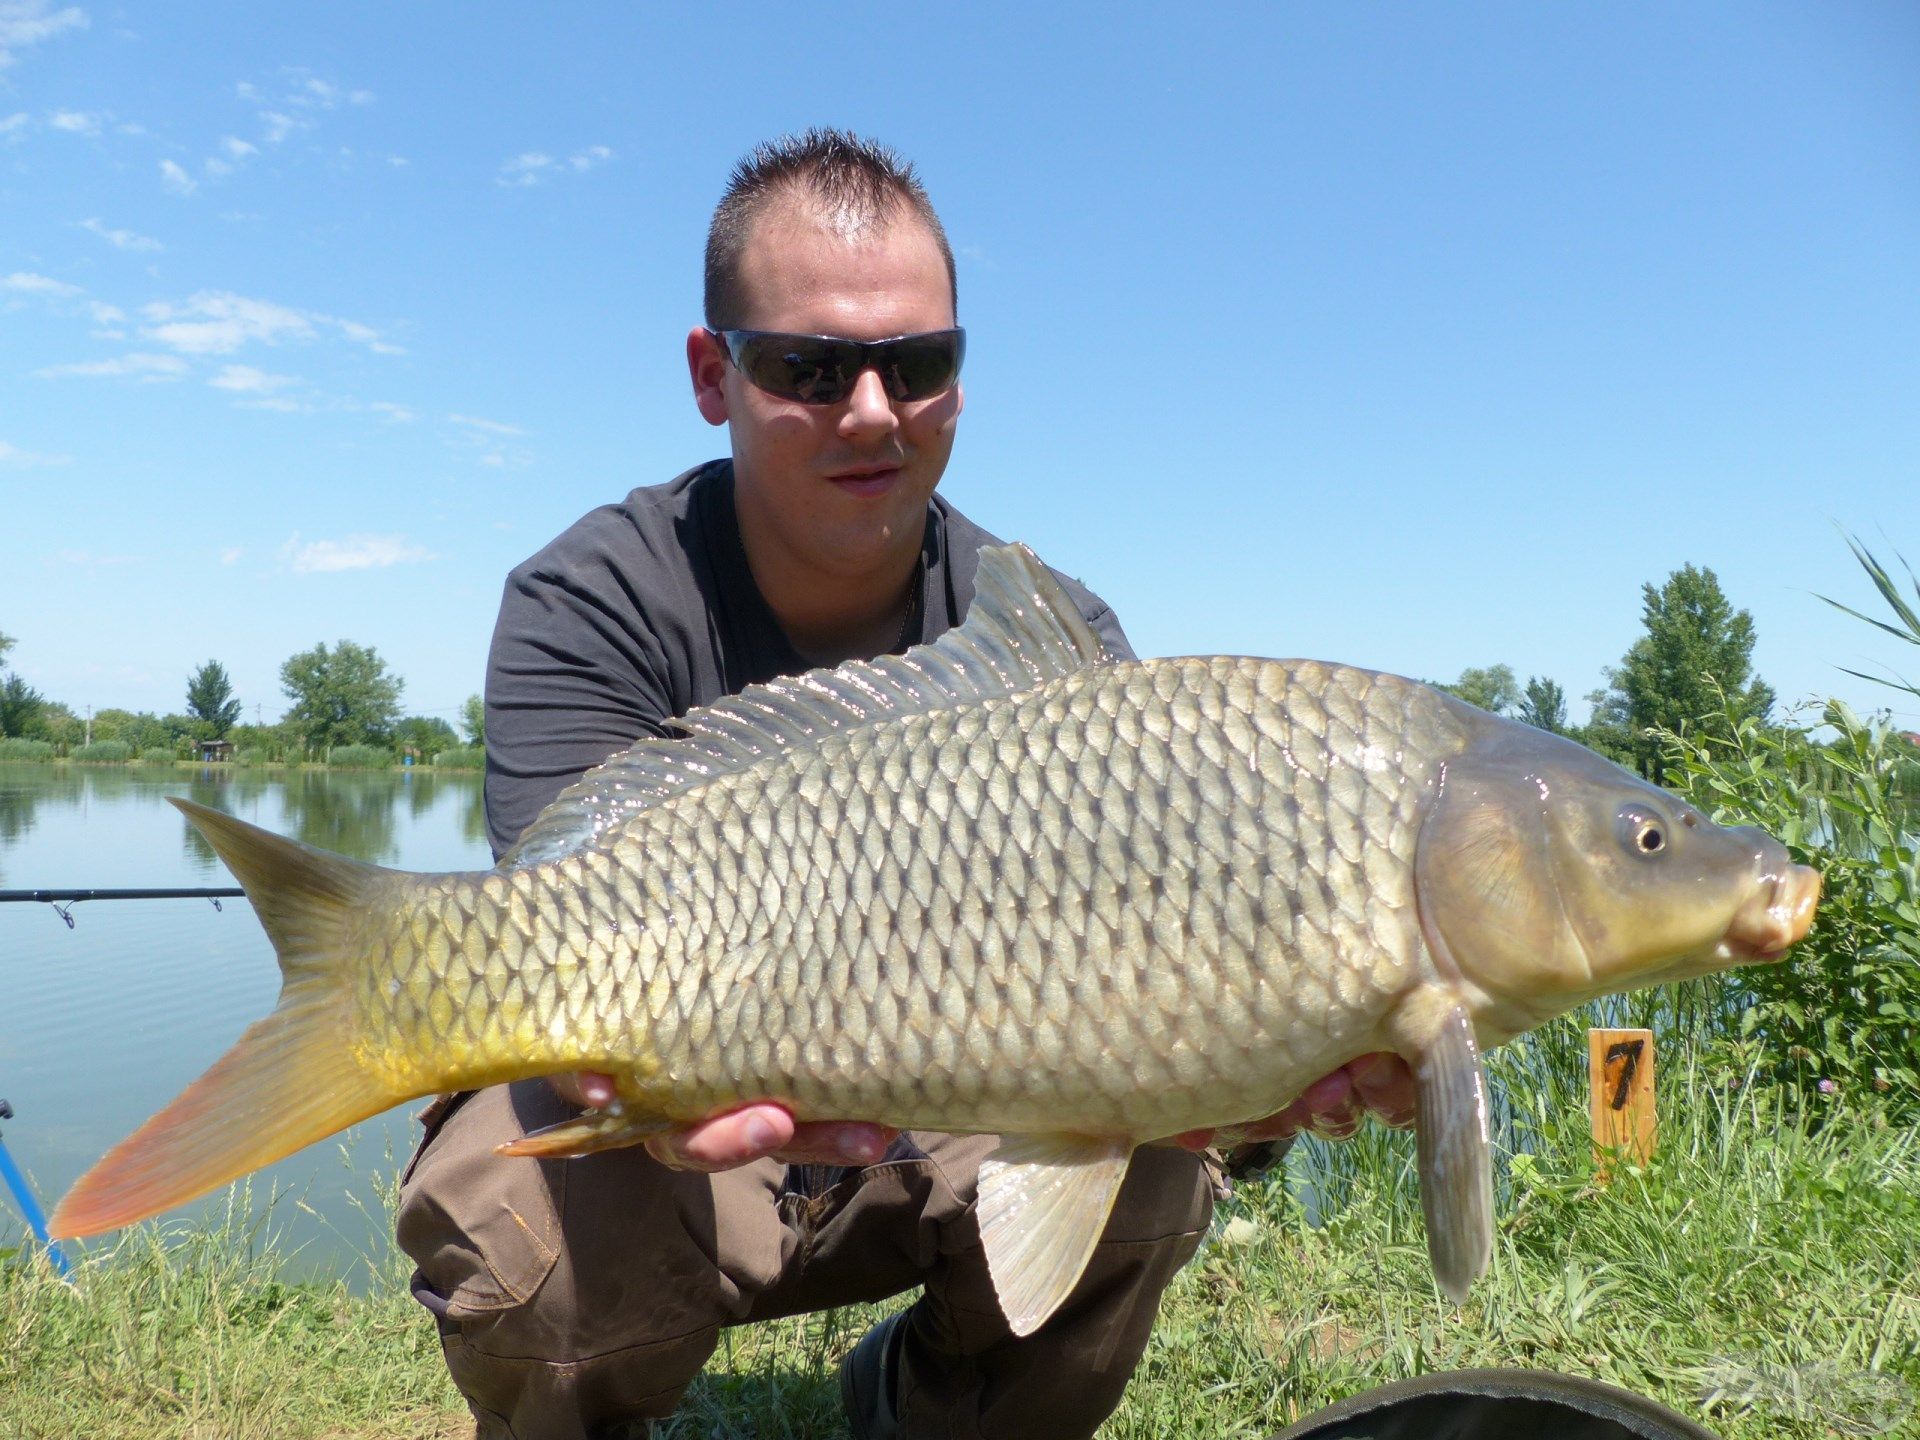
{"points": [[215, 750]]}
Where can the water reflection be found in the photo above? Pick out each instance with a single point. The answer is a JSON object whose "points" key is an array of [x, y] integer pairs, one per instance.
{"points": [[100, 1023]]}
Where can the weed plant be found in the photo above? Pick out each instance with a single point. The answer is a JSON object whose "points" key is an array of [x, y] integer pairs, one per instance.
{"points": [[464, 757], [103, 752], [18, 748], [360, 757]]}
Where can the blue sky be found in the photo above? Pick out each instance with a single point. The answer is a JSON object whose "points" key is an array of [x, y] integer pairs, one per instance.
{"points": [[1416, 337]]}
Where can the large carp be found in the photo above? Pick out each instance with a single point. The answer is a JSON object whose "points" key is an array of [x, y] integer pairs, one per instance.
{"points": [[1001, 885]]}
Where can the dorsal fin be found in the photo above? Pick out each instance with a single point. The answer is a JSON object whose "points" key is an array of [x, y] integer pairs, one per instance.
{"points": [[1022, 630]]}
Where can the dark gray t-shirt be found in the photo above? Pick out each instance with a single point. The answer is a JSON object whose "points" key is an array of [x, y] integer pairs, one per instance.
{"points": [[642, 611]]}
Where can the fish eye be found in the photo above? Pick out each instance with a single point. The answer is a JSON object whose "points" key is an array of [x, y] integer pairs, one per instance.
{"points": [[1643, 831]]}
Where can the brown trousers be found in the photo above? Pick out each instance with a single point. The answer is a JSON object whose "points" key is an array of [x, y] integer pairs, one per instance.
{"points": [[574, 1295]]}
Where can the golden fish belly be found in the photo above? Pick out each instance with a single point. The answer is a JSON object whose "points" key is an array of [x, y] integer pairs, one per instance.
{"points": [[1136, 900]]}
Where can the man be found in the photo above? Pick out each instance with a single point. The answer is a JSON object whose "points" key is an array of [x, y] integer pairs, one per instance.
{"points": [[579, 1298]]}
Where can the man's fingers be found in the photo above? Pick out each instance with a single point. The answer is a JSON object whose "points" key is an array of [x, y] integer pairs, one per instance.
{"points": [[1385, 1086], [837, 1143], [587, 1089], [755, 1132]]}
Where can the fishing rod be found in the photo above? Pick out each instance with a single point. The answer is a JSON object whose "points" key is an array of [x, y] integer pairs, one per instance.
{"points": [[29, 1206], [63, 901]]}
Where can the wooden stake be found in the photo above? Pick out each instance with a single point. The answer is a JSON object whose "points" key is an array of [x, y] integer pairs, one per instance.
{"points": [[1620, 1079]]}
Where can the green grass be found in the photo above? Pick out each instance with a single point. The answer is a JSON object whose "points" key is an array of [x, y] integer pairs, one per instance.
{"points": [[1771, 1254]]}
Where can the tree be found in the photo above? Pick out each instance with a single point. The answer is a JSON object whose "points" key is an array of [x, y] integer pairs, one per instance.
{"points": [[473, 720], [20, 706], [1493, 689], [210, 700], [7, 643], [425, 735], [342, 696], [1544, 706], [1692, 670]]}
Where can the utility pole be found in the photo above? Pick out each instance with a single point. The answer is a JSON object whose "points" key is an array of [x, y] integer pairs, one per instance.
{"points": [[89, 724]]}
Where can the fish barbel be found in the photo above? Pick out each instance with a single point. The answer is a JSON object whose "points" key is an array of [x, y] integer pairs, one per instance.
{"points": [[996, 885]]}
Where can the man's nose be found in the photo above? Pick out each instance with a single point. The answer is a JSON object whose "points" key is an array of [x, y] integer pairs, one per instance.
{"points": [[869, 411]]}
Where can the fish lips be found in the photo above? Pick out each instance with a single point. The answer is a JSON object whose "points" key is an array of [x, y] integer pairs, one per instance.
{"points": [[1776, 918]]}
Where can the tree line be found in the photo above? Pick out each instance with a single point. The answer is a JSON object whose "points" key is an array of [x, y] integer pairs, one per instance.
{"points": [[339, 695], [1690, 670]]}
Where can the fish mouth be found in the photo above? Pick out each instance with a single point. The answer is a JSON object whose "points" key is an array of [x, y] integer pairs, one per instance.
{"points": [[1776, 918]]}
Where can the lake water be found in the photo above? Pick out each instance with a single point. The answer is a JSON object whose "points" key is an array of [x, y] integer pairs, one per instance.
{"points": [[102, 1024]]}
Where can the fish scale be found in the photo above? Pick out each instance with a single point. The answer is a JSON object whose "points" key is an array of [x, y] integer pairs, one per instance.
{"points": [[1110, 962], [997, 884]]}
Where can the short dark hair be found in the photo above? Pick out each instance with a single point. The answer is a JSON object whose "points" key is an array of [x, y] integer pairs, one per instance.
{"points": [[858, 181]]}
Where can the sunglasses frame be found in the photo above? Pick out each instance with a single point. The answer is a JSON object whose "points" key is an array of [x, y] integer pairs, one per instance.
{"points": [[876, 355]]}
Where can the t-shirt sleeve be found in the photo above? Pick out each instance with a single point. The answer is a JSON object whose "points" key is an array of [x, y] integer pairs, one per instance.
{"points": [[571, 678], [1106, 625]]}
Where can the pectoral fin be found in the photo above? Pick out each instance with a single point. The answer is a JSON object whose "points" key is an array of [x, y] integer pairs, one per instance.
{"points": [[1456, 1165], [1044, 1199], [587, 1133]]}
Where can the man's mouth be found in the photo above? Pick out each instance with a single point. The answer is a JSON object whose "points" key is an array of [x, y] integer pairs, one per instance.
{"points": [[867, 480]]}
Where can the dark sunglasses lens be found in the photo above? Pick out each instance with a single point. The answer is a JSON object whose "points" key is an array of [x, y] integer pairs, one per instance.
{"points": [[921, 365], [816, 370], [798, 367]]}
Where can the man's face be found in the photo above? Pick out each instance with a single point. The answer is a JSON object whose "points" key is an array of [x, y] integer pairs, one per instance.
{"points": [[837, 490]]}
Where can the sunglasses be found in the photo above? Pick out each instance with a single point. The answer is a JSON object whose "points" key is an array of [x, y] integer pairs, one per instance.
{"points": [[822, 369]]}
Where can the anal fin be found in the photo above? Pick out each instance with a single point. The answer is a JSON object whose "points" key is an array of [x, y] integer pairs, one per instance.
{"points": [[589, 1132], [1456, 1162], [1044, 1200]]}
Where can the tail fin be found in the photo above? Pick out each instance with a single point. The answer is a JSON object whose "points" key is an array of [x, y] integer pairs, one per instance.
{"points": [[290, 1080]]}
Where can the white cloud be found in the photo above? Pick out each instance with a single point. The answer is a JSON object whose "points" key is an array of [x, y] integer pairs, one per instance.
{"points": [[91, 559], [218, 322], [249, 381], [524, 169], [30, 284], [13, 455], [121, 239], [491, 427], [28, 22], [534, 166], [368, 336], [176, 179], [105, 314], [356, 552], [230, 554], [76, 122], [13, 125], [399, 414], [146, 366], [280, 126], [237, 148], [275, 402]]}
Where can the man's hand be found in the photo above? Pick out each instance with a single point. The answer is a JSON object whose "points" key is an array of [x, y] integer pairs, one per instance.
{"points": [[752, 1132], [1333, 1106]]}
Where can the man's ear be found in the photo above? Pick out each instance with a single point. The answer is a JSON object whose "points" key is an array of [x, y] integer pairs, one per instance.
{"points": [[707, 367]]}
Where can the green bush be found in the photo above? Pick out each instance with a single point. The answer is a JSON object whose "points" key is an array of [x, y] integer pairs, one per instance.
{"points": [[466, 757], [360, 757], [16, 748], [249, 758], [1843, 1011], [104, 752], [159, 755]]}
